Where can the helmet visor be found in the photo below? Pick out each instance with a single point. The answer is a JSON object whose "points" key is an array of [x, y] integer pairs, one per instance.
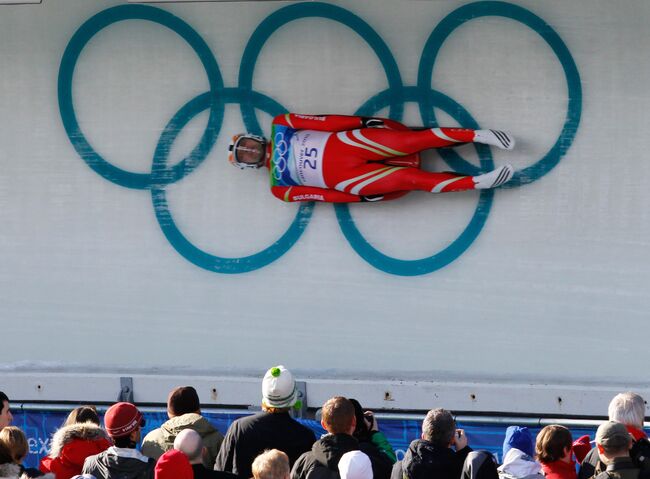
{"points": [[249, 151]]}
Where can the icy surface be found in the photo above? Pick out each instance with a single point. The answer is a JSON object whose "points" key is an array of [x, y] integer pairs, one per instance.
{"points": [[558, 275]]}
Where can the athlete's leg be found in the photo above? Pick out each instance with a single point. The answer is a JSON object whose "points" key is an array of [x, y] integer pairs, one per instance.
{"points": [[376, 144], [376, 179], [350, 156]]}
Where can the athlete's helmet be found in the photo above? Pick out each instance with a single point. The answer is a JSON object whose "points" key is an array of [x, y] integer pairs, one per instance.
{"points": [[247, 151]]}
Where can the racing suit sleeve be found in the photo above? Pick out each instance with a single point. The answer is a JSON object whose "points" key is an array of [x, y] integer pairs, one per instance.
{"points": [[335, 122], [312, 193]]}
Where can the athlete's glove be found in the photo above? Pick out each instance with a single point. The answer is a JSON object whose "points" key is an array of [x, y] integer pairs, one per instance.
{"points": [[372, 123], [366, 199]]}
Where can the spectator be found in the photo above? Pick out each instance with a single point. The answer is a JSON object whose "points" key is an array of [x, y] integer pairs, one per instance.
{"points": [[16, 449], [5, 412], [629, 409], [79, 438], [173, 465], [184, 411], [432, 455], [273, 428], [367, 430], [123, 424], [613, 442], [271, 464], [355, 465], [190, 443], [339, 421], [8, 469], [479, 465], [82, 414], [518, 452], [555, 452]]}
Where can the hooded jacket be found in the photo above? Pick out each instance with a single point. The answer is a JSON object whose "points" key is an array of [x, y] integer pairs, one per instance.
{"points": [[71, 445], [161, 440], [519, 465], [424, 460], [119, 463], [322, 461]]}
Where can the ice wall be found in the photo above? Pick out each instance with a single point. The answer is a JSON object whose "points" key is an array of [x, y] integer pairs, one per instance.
{"points": [[127, 239]]}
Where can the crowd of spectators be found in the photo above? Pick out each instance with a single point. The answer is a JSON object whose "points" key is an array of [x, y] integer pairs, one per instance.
{"points": [[273, 445]]}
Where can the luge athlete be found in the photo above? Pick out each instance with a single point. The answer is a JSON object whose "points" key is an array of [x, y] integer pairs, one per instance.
{"points": [[347, 159]]}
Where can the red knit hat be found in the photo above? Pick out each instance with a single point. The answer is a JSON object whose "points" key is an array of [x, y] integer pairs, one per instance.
{"points": [[122, 419], [174, 465]]}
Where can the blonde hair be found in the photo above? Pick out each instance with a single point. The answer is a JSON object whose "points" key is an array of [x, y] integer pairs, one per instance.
{"points": [[271, 464], [15, 442], [274, 410]]}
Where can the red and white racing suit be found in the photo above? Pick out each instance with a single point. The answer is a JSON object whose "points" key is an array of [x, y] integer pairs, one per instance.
{"points": [[338, 159]]}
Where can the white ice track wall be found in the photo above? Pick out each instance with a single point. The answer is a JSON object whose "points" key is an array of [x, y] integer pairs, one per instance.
{"points": [[553, 287]]}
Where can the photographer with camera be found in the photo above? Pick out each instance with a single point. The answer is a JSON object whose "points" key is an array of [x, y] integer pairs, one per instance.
{"points": [[440, 452]]}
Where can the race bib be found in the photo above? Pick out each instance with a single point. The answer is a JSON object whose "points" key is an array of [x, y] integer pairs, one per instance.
{"points": [[308, 150]]}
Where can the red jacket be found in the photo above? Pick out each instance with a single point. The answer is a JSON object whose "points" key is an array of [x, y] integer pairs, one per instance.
{"points": [[71, 445], [559, 470]]}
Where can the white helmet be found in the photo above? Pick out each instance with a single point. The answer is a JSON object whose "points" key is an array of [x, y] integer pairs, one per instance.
{"points": [[247, 151]]}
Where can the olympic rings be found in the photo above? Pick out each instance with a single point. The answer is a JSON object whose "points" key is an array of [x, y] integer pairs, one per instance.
{"points": [[394, 97]]}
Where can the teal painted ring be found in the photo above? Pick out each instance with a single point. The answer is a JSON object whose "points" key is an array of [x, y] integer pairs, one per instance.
{"points": [[321, 10], [94, 160], [458, 246], [507, 10], [165, 219]]}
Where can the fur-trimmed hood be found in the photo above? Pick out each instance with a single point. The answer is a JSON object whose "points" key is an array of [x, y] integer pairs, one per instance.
{"points": [[86, 431]]}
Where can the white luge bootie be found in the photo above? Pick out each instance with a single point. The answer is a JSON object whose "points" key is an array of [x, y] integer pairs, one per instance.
{"points": [[500, 139], [494, 178]]}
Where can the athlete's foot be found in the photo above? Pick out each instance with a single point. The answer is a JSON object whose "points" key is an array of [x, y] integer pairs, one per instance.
{"points": [[500, 139], [494, 178]]}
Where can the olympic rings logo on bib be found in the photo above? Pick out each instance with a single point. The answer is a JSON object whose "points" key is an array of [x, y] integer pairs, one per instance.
{"points": [[249, 100]]}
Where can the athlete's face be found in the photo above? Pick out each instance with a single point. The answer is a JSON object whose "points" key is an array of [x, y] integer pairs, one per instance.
{"points": [[250, 151]]}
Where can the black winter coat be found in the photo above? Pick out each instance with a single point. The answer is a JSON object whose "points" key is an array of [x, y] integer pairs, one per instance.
{"points": [[323, 460], [250, 436], [424, 460]]}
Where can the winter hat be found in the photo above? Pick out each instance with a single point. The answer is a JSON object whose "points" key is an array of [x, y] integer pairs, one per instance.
{"points": [[173, 465], [122, 419], [519, 438], [581, 447], [279, 388], [613, 435], [355, 465], [183, 400]]}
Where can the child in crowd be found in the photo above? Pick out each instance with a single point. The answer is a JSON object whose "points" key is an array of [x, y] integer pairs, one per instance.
{"points": [[13, 451], [554, 448], [518, 455]]}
